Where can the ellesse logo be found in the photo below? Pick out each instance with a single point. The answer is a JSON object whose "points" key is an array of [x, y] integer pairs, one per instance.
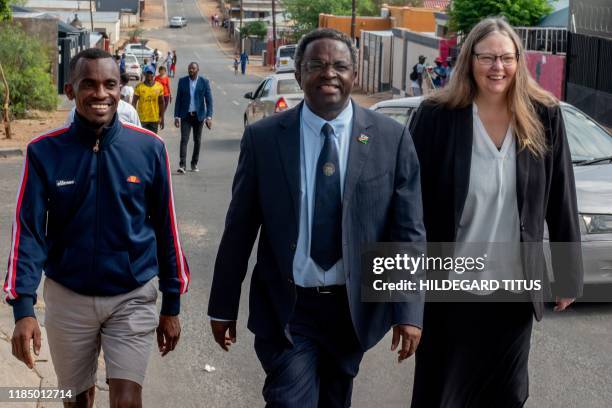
{"points": [[133, 179]]}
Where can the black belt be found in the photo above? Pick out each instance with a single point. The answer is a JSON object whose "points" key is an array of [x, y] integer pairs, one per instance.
{"points": [[193, 113], [321, 290]]}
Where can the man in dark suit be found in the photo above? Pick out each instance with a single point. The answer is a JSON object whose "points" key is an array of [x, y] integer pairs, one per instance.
{"points": [[192, 109], [317, 182]]}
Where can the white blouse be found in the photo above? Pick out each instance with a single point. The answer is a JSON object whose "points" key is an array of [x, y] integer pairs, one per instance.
{"points": [[490, 216]]}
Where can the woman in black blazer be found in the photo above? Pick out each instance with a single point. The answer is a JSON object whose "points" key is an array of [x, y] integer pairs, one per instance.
{"points": [[495, 165]]}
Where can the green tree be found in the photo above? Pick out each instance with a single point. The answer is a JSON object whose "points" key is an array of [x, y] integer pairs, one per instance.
{"points": [[257, 29], [27, 70], [5, 10], [305, 13], [465, 14]]}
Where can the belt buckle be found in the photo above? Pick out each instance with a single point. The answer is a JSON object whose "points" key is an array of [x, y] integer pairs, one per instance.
{"points": [[322, 290]]}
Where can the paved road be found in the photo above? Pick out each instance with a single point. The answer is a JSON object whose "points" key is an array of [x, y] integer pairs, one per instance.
{"points": [[571, 359]]}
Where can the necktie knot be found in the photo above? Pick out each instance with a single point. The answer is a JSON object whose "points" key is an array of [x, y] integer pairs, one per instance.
{"points": [[327, 130]]}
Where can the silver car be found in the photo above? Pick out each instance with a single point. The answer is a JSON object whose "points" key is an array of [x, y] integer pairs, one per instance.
{"points": [[178, 21], [591, 149], [274, 94]]}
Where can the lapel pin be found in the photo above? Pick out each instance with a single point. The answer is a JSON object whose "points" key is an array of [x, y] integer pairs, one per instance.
{"points": [[363, 138]]}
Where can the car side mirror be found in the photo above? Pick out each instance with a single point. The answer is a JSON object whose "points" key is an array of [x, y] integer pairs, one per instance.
{"points": [[248, 95]]}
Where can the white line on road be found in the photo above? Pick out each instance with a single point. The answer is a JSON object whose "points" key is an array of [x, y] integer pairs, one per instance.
{"points": [[236, 103], [223, 92], [198, 56]]}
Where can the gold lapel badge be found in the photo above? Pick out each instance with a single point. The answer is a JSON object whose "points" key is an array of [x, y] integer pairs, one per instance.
{"points": [[363, 138]]}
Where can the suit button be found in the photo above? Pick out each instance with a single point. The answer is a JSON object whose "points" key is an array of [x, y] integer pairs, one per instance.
{"points": [[522, 226], [293, 246], [290, 280]]}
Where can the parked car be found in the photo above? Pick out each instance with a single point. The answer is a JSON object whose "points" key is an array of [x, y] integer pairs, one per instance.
{"points": [[591, 150], [132, 67], [178, 21], [284, 58], [141, 51], [274, 94]]}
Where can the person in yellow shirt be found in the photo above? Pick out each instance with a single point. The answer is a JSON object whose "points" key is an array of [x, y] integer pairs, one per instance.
{"points": [[149, 102]]}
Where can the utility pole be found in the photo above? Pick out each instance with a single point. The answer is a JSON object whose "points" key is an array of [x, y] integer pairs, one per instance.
{"points": [[91, 14], [353, 21], [273, 33], [240, 39]]}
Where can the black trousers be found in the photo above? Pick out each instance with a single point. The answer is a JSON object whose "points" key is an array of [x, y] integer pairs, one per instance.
{"points": [[318, 368], [190, 122], [473, 355], [152, 126]]}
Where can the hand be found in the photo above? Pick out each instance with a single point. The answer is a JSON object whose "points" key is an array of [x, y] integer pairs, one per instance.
{"points": [[220, 328], [168, 333], [208, 123], [26, 329], [161, 123], [410, 335], [177, 122], [563, 303]]}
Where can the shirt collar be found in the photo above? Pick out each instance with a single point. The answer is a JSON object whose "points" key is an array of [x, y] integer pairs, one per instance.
{"points": [[339, 123]]}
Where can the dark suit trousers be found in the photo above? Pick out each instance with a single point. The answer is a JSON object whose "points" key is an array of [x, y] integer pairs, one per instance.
{"points": [[190, 122], [318, 369]]}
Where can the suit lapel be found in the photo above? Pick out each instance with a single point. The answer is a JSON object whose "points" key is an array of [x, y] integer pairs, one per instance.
{"points": [[288, 140], [358, 152], [522, 176], [464, 136]]}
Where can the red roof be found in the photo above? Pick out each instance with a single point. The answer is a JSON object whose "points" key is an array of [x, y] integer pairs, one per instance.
{"points": [[439, 4]]}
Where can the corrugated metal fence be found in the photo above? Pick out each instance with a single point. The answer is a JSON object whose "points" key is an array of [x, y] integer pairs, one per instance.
{"points": [[588, 78]]}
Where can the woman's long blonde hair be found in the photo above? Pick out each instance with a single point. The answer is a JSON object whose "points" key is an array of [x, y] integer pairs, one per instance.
{"points": [[522, 95]]}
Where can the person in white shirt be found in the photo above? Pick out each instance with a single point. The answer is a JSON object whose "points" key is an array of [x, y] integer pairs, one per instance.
{"points": [[127, 92]]}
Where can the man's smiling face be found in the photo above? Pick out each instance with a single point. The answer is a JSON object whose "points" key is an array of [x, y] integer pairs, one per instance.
{"points": [[96, 90]]}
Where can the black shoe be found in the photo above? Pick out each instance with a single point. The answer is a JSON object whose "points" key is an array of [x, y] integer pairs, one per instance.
{"points": [[195, 169], [181, 170]]}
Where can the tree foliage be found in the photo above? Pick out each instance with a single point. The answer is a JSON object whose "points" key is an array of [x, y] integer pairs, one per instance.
{"points": [[5, 10], [465, 14], [305, 13], [27, 69], [257, 29]]}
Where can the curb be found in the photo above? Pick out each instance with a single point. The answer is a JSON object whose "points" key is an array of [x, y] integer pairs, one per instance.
{"points": [[10, 152]]}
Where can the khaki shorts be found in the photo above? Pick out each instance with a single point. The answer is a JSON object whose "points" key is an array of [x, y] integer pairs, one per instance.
{"points": [[78, 326]]}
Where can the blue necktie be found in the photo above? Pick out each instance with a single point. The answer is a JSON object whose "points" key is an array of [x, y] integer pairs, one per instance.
{"points": [[326, 240]]}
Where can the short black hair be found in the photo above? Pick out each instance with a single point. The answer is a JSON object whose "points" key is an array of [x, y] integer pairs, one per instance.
{"points": [[125, 78], [89, 53], [319, 34]]}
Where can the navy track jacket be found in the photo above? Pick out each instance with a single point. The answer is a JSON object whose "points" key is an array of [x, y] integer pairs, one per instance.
{"points": [[97, 215]]}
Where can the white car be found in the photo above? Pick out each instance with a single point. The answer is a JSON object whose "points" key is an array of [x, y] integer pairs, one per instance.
{"points": [[591, 150], [141, 51], [132, 67], [284, 58], [178, 21]]}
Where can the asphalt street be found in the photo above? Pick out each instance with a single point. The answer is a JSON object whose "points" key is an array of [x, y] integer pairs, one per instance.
{"points": [[571, 355]]}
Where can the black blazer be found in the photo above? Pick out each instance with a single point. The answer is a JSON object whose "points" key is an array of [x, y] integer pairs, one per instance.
{"points": [[381, 202], [545, 191]]}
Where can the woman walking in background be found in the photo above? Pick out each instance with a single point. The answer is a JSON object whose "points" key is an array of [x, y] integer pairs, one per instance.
{"points": [[495, 165], [164, 80], [173, 64]]}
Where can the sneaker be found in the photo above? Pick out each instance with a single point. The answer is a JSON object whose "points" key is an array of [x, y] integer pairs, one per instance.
{"points": [[181, 170], [195, 169]]}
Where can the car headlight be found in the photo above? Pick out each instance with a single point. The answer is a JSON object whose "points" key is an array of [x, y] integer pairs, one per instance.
{"points": [[597, 223]]}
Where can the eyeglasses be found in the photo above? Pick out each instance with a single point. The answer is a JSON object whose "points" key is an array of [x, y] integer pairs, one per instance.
{"points": [[316, 66], [487, 60]]}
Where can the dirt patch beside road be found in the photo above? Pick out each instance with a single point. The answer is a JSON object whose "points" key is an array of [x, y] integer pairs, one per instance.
{"points": [[24, 130]]}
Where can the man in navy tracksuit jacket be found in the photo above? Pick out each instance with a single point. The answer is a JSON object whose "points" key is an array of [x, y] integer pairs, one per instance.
{"points": [[95, 211]]}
